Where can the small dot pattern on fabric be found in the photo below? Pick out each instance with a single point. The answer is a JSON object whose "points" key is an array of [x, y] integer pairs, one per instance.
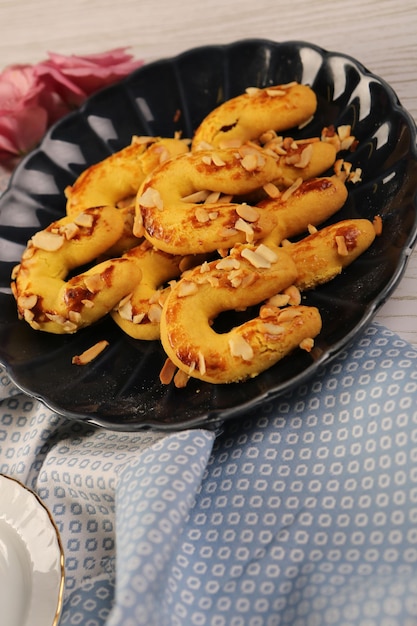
{"points": [[301, 513]]}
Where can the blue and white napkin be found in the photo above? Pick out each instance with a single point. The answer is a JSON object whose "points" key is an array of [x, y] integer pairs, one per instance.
{"points": [[301, 513]]}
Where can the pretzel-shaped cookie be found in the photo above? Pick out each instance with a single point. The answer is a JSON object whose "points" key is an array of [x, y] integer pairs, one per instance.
{"points": [[119, 176], [243, 279], [173, 217], [249, 115], [246, 277], [139, 313], [115, 180], [43, 297], [323, 254]]}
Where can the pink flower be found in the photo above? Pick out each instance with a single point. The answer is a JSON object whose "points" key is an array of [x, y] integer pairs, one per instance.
{"points": [[32, 97], [75, 78], [23, 119]]}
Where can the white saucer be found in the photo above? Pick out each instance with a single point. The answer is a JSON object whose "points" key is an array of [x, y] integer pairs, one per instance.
{"points": [[31, 559]]}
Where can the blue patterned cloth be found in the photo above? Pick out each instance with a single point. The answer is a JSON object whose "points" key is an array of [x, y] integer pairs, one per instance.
{"points": [[301, 513]]}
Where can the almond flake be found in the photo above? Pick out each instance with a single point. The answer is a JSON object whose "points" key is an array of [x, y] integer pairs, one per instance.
{"points": [[69, 231], [377, 224], [341, 245], [247, 213], [154, 313], [125, 310], [84, 220], [217, 160], [250, 162], [255, 259], [279, 300], [275, 92], [252, 91], [151, 199], [271, 190], [229, 263], [273, 329], [45, 240], [201, 215], [266, 253], [239, 347], [305, 156], [90, 354], [288, 192], [181, 379], [93, 282], [167, 372], [246, 228], [197, 196], [201, 363], [286, 315], [294, 295], [307, 344], [27, 302], [186, 288]]}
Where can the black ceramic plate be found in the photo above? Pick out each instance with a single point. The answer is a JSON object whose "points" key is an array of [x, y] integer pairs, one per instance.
{"points": [[121, 389]]}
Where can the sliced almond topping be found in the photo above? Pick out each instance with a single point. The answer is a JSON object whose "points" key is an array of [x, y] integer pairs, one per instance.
{"points": [[138, 228], [305, 156], [151, 199], [45, 240], [377, 224], [74, 316], [28, 315], [69, 231], [93, 282], [167, 372], [213, 215], [202, 215], [245, 228], [279, 300], [197, 196], [344, 131], [186, 288], [235, 277], [307, 344], [84, 220], [204, 267], [341, 245], [229, 263], [138, 318], [255, 259], [201, 363], [228, 232], [88, 304], [252, 91], [125, 309], [154, 313], [288, 192], [273, 329], [311, 229], [266, 253], [217, 160], [275, 92], [90, 354], [239, 347], [247, 212], [250, 162], [356, 175], [181, 379], [272, 190], [294, 295], [27, 302], [212, 197], [286, 315]]}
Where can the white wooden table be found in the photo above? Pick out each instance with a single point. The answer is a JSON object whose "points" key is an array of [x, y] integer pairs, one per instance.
{"points": [[379, 33]]}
